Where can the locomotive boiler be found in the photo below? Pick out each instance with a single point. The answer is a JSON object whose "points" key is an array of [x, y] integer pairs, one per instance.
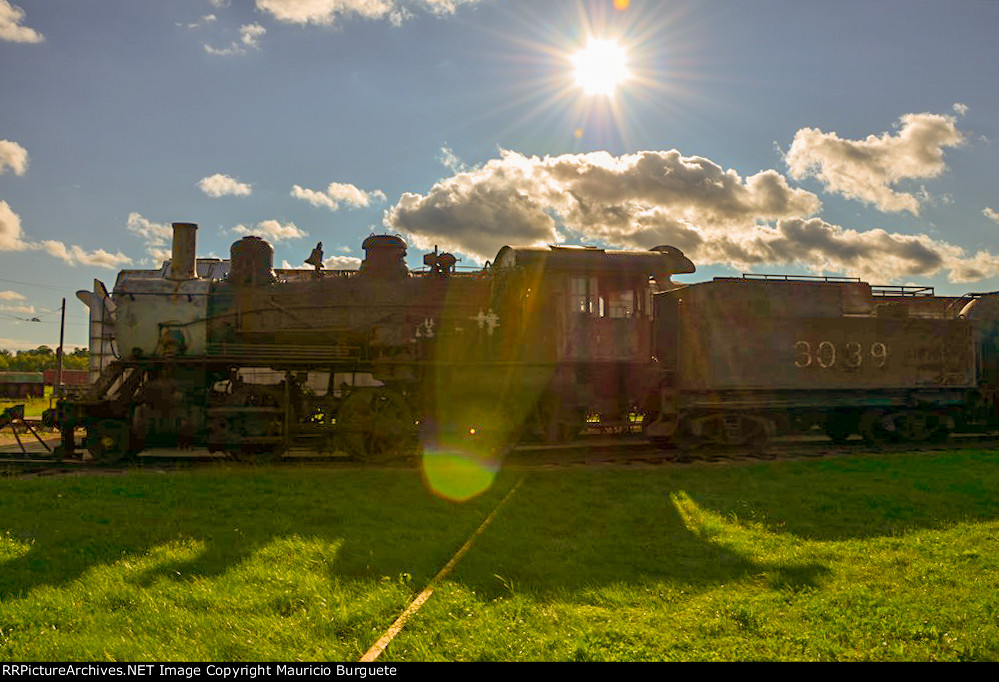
{"points": [[239, 357]]}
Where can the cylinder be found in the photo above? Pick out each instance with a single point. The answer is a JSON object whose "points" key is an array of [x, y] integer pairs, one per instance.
{"points": [[183, 265]]}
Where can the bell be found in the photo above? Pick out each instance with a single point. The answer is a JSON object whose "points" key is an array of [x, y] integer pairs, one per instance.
{"points": [[315, 259]]}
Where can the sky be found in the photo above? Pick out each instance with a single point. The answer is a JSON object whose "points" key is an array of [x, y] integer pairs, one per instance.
{"points": [[853, 138]]}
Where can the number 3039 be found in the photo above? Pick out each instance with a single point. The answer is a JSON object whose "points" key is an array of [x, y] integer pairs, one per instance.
{"points": [[852, 354]]}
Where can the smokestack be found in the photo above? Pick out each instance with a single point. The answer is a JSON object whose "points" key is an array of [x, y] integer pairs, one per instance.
{"points": [[182, 265]]}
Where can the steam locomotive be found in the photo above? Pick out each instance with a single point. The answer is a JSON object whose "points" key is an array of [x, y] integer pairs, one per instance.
{"points": [[543, 343], [239, 357]]}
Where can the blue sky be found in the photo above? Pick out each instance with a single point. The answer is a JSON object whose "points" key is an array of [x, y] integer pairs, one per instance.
{"points": [[854, 138]]}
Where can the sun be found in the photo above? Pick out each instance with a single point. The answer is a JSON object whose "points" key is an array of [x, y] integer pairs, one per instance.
{"points": [[600, 67]]}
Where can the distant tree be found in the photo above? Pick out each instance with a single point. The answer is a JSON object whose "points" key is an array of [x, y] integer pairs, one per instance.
{"points": [[78, 359], [42, 358]]}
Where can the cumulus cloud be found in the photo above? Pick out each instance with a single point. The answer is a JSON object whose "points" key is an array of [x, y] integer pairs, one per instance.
{"points": [[20, 309], [331, 263], [156, 235], [325, 12], [12, 239], [869, 169], [205, 20], [11, 29], [661, 195], [337, 194], [13, 156], [823, 247], [75, 255], [220, 185], [329, 12], [991, 214], [643, 200], [451, 161], [249, 39], [11, 235], [447, 6], [272, 230]]}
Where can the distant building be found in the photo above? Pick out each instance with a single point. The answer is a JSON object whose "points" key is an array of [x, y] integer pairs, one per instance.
{"points": [[70, 377], [22, 385]]}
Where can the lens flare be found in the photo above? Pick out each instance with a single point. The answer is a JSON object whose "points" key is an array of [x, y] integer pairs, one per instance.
{"points": [[457, 475]]}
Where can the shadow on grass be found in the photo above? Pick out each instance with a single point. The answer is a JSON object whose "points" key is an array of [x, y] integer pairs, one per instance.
{"points": [[590, 530], [856, 497], [383, 522], [562, 530]]}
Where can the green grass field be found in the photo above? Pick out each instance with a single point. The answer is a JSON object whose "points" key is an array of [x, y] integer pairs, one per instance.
{"points": [[33, 407], [891, 558]]}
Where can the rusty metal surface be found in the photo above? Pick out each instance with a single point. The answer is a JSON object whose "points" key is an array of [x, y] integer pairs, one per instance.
{"points": [[543, 343]]}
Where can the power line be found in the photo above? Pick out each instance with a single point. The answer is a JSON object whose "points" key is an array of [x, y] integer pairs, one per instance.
{"points": [[32, 284]]}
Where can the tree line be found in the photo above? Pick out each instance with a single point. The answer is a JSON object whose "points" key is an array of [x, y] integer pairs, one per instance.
{"points": [[41, 359]]}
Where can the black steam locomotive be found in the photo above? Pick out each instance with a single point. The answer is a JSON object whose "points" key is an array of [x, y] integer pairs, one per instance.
{"points": [[543, 343]]}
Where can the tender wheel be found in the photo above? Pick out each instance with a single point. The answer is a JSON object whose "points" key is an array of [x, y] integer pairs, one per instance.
{"points": [[840, 427], [554, 423], [732, 429], [873, 429], [376, 425], [917, 426], [685, 445]]}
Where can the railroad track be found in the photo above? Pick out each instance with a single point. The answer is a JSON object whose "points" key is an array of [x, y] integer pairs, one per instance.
{"points": [[588, 451]]}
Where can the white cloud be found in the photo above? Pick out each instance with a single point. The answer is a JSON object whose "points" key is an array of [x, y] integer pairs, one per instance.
{"points": [[249, 37], [991, 214], [325, 12], [331, 263], [205, 20], [447, 6], [156, 235], [329, 12], [11, 236], [523, 200], [19, 309], [10, 296], [336, 194], [219, 185], [642, 200], [75, 255], [868, 169], [13, 156], [16, 344], [11, 29], [12, 239], [272, 230], [451, 161]]}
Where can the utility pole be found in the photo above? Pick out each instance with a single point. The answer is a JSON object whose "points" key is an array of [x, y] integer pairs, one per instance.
{"points": [[62, 333]]}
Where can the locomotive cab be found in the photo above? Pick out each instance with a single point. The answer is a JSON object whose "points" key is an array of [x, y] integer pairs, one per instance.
{"points": [[587, 312]]}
